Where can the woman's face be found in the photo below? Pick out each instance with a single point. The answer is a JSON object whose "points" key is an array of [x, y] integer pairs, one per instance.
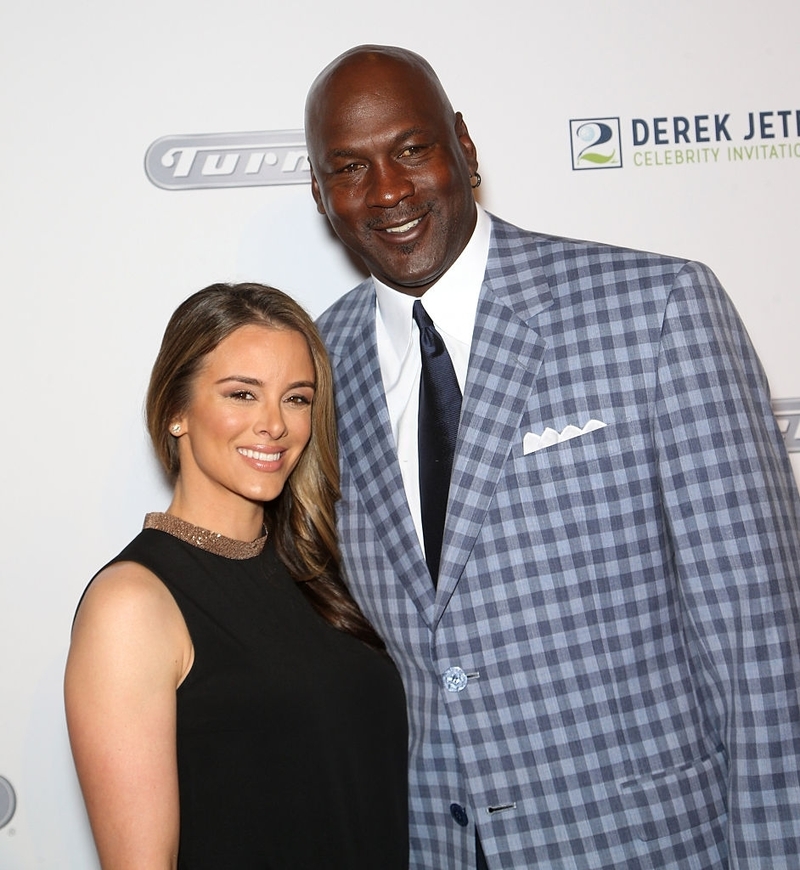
{"points": [[249, 418]]}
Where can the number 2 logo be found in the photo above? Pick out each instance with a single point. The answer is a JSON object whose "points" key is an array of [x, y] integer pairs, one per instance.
{"points": [[595, 143], [595, 133]]}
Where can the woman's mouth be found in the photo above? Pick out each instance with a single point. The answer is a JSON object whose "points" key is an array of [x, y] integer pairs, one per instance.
{"points": [[258, 455]]}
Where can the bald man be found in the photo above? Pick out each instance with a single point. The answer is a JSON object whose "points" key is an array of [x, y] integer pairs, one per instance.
{"points": [[600, 644]]}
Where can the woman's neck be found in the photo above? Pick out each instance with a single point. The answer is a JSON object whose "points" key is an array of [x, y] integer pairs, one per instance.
{"points": [[236, 518]]}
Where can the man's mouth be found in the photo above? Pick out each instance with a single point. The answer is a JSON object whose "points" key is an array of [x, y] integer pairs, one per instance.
{"points": [[404, 228]]}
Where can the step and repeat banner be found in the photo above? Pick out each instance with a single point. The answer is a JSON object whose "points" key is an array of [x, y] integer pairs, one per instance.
{"points": [[151, 149]]}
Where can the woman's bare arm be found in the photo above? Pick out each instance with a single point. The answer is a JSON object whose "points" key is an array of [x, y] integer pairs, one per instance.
{"points": [[130, 650]]}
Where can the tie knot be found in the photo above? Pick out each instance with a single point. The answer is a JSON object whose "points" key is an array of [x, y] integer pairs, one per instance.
{"points": [[430, 342], [421, 316]]}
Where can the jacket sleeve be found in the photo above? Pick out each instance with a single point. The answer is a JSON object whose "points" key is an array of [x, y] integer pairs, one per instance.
{"points": [[733, 508]]}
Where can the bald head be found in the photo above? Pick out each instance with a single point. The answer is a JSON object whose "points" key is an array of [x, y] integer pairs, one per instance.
{"points": [[362, 67]]}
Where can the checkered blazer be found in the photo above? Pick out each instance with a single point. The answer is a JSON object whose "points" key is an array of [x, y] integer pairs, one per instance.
{"points": [[608, 673]]}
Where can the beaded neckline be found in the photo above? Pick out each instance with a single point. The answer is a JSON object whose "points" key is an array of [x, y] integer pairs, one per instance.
{"points": [[204, 539]]}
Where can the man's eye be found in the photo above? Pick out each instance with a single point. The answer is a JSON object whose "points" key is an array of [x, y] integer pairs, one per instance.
{"points": [[351, 167]]}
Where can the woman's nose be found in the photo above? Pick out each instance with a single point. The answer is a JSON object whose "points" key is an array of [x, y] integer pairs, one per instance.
{"points": [[271, 422]]}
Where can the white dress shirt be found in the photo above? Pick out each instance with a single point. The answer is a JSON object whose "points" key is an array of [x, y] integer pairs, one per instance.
{"points": [[452, 303]]}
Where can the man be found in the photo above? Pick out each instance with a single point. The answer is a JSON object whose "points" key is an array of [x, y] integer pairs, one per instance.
{"points": [[602, 661]]}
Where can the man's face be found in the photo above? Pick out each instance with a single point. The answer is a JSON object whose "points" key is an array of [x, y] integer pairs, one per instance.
{"points": [[391, 169]]}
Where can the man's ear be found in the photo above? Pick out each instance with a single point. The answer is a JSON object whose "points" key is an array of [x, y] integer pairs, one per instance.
{"points": [[315, 192], [467, 145]]}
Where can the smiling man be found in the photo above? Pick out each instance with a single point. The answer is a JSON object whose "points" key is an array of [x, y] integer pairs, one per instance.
{"points": [[566, 507], [391, 171]]}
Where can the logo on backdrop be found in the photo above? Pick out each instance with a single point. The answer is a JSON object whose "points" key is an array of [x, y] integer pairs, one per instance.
{"points": [[596, 143], [685, 140], [228, 160], [8, 802], [787, 413]]}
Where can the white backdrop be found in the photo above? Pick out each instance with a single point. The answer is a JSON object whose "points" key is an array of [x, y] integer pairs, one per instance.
{"points": [[95, 256]]}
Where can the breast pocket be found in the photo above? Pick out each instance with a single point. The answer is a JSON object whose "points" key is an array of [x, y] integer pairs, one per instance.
{"points": [[605, 471]]}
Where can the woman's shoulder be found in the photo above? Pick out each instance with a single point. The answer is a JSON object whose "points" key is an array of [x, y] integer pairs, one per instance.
{"points": [[125, 586], [127, 602], [128, 618], [129, 581]]}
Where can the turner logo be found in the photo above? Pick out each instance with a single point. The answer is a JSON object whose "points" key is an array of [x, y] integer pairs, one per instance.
{"points": [[228, 160], [595, 143], [787, 413]]}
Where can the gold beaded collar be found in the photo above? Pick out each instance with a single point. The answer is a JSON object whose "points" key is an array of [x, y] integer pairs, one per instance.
{"points": [[212, 542]]}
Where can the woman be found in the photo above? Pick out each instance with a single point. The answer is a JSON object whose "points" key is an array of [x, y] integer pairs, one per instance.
{"points": [[229, 706]]}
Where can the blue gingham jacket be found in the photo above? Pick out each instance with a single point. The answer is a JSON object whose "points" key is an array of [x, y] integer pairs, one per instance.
{"points": [[607, 675]]}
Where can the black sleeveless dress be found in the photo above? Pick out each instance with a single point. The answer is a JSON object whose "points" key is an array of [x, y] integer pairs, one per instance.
{"points": [[291, 735]]}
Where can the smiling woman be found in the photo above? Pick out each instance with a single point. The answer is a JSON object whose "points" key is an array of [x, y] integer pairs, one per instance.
{"points": [[220, 676], [245, 429]]}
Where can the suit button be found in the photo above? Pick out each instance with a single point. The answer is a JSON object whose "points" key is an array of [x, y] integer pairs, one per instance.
{"points": [[455, 680], [459, 814]]}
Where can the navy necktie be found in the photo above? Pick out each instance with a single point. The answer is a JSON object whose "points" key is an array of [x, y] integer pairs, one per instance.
{"points": [[439, 410]]}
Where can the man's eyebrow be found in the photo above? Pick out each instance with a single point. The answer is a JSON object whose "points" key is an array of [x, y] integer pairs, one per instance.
{"points": [[341, 152], [397, 140], [412, 131]]}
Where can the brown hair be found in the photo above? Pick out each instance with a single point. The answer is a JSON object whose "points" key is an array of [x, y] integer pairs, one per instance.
{"points": [[301, 520]]}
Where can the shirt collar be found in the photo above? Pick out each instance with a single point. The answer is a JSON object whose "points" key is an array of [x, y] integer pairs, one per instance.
{"points": [[452, 302]]}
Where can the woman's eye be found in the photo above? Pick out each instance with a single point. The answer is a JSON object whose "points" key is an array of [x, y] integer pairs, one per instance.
{"points": [[242, 395], [298, 400]]}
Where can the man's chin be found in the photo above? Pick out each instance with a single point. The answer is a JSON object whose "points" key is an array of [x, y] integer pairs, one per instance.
{"points": [[413, 282]]}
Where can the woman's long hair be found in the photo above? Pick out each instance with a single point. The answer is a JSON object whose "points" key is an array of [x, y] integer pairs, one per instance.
{"points": [[301, 520]]}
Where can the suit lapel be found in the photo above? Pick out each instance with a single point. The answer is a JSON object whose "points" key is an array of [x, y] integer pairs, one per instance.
{"points": [[368, 453], [505, 358]]}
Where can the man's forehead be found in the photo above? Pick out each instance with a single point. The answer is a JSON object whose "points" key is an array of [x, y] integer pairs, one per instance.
{"points": [[376, 119], [349, 98], [372, 94]]}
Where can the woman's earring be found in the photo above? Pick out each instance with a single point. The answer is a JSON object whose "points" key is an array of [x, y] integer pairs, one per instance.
{"points": [[176, 427]]}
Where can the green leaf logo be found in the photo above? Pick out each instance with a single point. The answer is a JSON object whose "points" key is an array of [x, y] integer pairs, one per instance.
{"points": [[593, 157]]}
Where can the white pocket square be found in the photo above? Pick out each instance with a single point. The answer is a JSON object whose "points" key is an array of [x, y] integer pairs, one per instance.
{"points": [[533, 442]]}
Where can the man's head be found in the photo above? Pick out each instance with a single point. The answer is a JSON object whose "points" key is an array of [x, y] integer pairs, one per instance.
{"points": [[391, 164]]}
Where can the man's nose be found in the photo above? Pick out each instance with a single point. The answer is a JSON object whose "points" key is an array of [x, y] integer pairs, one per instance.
{"points": [[389, 185]]}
